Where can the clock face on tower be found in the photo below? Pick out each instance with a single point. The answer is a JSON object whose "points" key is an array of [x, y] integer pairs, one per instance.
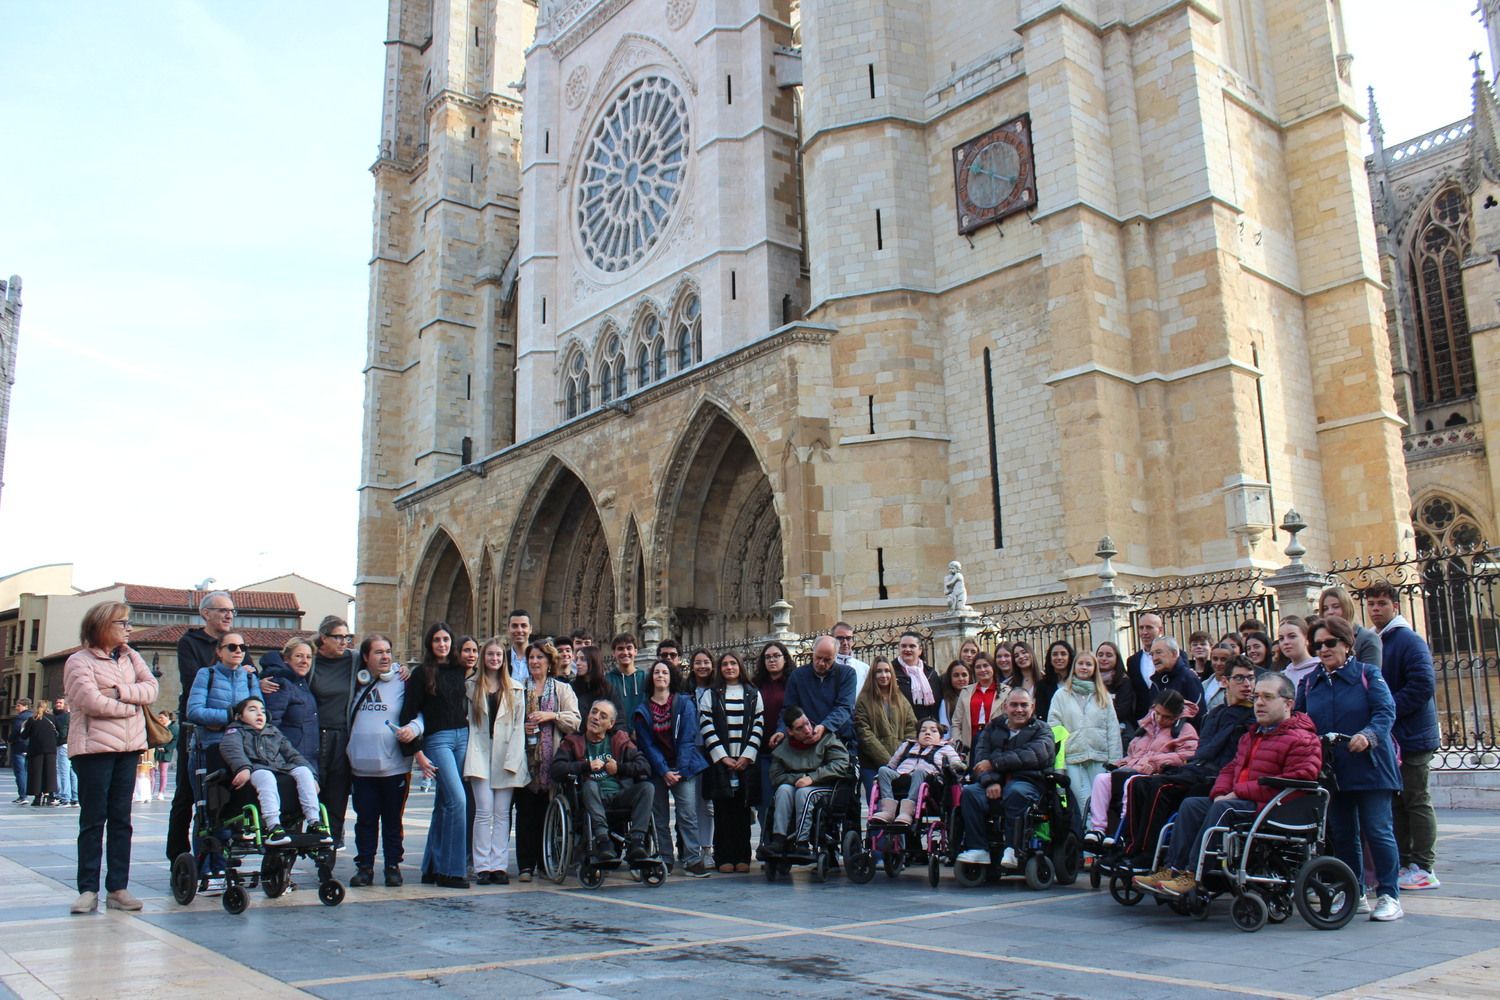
{"points": [[994, 175]]}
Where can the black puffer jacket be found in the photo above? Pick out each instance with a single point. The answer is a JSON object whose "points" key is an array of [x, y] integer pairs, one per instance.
{"points": [[1028, 752]]}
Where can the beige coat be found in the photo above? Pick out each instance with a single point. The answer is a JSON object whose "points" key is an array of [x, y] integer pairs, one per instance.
{"points": [[501, 761], [959, 727], [102, 723]]}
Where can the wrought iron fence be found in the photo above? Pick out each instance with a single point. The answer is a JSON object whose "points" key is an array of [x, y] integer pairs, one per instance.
{"points": [[1038, 623], [1450, 598], [1215, 603], [880, 638]]}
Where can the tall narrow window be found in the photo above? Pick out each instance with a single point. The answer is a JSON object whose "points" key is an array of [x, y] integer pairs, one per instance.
{"points": [[1445, 354], [989, 411], [612, 379], [576, 388], [651, 358], [689, 339]]}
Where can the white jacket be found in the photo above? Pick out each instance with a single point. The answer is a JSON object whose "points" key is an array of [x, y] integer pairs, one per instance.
{"points": [[1093, 730], [500, 761]]}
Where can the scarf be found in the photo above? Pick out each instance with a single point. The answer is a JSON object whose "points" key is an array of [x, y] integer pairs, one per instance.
{"points": [[798, 744], [921, 691], [543, 699], [1082, 686]]}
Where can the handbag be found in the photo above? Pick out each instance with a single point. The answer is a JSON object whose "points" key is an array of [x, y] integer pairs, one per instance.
{"points": [[157, 735]]}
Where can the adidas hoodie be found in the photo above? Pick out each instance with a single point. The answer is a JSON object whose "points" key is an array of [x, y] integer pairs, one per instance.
{"points": [[374, 751]]}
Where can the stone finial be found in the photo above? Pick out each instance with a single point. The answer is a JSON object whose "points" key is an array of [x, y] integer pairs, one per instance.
{"points": [[1105, 552], [650, 633], [1377, 129], [955, 589], [1293, 524], [781, 617]]}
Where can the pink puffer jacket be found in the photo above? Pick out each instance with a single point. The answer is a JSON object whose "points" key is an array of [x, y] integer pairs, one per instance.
{"points": [[1157, 748], [101, 722]]}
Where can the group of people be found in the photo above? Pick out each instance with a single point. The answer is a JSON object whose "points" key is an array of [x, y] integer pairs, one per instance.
{"points": [[703, 746], [39, 754]]}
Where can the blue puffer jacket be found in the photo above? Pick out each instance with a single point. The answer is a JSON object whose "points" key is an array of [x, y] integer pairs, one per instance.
{"points": [[293, 708], [690, 760], [1353, 700], [1406, 664], [210, 705]]}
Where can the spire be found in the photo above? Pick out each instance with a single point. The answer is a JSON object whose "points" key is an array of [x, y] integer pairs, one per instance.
{"points": [[1377, 130], [1484, 141]]}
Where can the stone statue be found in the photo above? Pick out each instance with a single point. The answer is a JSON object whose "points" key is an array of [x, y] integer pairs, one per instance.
{"points": [[953, 586]]}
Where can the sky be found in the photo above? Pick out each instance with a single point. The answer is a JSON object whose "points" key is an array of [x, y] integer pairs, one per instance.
{"points": [[185, 193]]}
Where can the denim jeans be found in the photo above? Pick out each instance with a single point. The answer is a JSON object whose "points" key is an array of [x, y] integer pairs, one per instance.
{"points": [[976, 807], [18, 768], [67, 790], [106, 782], [1357, 818], [1197, 815], [685, 792], [447, 840]]}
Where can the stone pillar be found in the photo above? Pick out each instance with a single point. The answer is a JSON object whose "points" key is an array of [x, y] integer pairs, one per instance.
{"points": [[650, 638], [1297, 586], [949, 633], [1108, 607]]}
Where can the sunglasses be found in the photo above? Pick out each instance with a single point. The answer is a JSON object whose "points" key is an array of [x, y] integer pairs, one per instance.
{"points": [[234, 647], [1327, 643]]}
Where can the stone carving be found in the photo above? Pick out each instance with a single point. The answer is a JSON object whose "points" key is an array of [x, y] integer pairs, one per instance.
{"points": [[955, 589], [678, 12], [577, 87]]}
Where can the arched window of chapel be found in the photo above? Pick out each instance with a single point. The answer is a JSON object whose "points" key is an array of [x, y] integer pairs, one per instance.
{"points": [[1445, 355], [688, 339]]}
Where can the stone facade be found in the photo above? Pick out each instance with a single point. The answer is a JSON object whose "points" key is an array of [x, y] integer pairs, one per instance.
{"points": [[10, 339], [1185, 336]]}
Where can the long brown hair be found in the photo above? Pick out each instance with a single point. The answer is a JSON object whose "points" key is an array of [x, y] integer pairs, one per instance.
{"points": [[870, 697]]}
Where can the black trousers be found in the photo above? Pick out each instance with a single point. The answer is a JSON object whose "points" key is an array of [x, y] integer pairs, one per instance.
{"points": [[732, 815], [378, 807], [531, 813], [180, 818], [43, 774], [106, 785], [334, 777]]}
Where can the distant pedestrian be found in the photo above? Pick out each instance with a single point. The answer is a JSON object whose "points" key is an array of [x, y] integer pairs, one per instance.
{"points": [[19, 747], [67, 783], [41, 735]]}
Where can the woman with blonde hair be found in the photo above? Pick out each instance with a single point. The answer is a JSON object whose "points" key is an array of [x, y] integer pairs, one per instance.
{"points": [[1084, 708], [495, 762], [110, 689]]}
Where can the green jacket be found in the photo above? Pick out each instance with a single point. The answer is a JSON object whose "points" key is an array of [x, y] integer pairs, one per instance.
{"points": [[825, 762]]}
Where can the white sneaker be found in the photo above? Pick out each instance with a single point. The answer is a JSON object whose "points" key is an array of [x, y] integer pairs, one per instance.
{"points": [[1387, 908], [1418, 878], [1009, 860], [974, 856], [1363, 906]]}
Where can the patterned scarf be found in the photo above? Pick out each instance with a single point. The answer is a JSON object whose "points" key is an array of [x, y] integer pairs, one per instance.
{"points": [[539, 757]]}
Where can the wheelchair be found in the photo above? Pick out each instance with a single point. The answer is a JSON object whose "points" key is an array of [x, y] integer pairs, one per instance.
{"points": [[567, 839], [834, 834], [1051, 851], [228, 831], [1120, 860], [930, 840]]}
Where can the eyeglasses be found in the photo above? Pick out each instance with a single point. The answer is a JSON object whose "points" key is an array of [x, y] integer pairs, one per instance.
{"points": [[1242, 678], [844, 638], [218, 611], [233, 647], [1327, 643], [122, 622], [340, 638]]}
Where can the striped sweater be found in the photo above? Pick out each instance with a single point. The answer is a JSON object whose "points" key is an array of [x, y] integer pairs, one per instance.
{"points": [[723, 722]]}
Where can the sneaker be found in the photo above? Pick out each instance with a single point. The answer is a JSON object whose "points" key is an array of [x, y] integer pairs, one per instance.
{"points": [[1387, 908], [728, 869], [85, 903], [321, 829], [974, 856], [740, 868], [278, 837], [1418, 878], [1363, 906], [362, 878], [1009, 860], [1149, 883], [120, 899], [1093, 840], [524, 876], [1179, 885], [696, 870]]}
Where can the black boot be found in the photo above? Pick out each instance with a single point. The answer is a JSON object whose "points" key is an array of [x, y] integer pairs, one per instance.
{"points": [[362, 877], [393, 875]]}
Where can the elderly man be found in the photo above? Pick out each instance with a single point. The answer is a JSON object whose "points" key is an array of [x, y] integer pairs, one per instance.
{"points": [[1010, 759], [825, 691], [197, 648], [611, 772], [1170, 672], [1282, 744], [804, 768]]}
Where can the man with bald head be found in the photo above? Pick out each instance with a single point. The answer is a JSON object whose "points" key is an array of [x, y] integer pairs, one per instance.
{"points": [[824, 690]]}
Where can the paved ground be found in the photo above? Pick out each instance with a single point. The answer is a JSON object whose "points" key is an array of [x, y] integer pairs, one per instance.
{"points": [[725, 936]]}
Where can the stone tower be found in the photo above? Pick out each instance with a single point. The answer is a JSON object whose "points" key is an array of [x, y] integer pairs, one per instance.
{"points": [[438, 389], [10, 339]]}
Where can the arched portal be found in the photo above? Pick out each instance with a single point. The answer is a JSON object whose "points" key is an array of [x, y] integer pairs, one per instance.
{"points": [[558, 566], [443, 592], [717, 561]]}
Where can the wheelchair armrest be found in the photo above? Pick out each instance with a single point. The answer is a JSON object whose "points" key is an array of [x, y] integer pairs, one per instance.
{"points": [[1289, 783], [218, 775]]}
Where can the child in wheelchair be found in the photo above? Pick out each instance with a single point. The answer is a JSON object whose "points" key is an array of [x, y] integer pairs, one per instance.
{"points": [[912, 763], [255, 753]]}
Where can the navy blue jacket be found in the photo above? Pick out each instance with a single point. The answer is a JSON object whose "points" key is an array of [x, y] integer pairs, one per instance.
{"points": [[1181, 679], [292, 707], [1354, 699], [828, 700], [685, 729], [1219, 736], [1406, 664], [1135, 672]]}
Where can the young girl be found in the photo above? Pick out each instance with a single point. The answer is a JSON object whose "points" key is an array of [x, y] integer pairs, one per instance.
{"points": [[976, 705], [435, 695], [700, 684], [1111, 673], [666, 731], [590, 683], [733, 731], [1296, 660], [1083, 708], [551, 714], [1059, 669], [967, 651], [1166, 739], [1005, 666], [908, 767], [882, 719], [495, 764], [955, 679], [1028, 673]]}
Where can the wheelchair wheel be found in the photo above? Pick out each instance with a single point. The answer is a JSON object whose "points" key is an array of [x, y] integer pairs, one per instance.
{"points": [[1249, 912], [859, 864], [895, 863], [557, 841], [1326, 893], [934, 870], [970, 875], [1039, 873], [236, 899], [274, 878], [1067, 858], [1096, 877], [184, 878], [820, 867], [1198, 902], [1124, 891], [1278, 908], [592, 876], [330, 892], [653, 874]]}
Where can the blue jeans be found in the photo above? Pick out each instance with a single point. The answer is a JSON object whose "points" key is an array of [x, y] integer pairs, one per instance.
{"points": [[18, 768], [1195, 816], [66, 790], [447, 839], [685, 792], [1352, 814], [975, 807]]}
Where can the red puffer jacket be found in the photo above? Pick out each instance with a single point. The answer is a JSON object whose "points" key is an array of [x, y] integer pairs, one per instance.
{"points": [[1291, 750]]}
